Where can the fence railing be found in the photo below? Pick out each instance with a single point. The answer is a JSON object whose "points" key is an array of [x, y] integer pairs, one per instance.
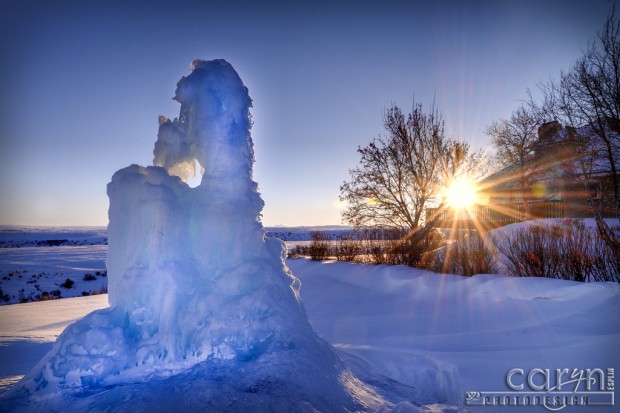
{"points": [[495, 215]]}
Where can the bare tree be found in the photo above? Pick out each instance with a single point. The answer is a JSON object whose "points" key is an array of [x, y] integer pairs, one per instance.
{"points": [[514, 140], [587, 97], [401, 174]]}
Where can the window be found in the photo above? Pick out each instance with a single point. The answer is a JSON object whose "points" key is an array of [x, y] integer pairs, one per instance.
{"points": [[594, 189]]}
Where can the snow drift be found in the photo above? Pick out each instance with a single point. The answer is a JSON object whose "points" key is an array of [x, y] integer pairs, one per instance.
{"points": [[204, 312]]}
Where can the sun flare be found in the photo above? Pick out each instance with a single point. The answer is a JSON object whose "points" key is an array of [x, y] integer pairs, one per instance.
{"points": [[461, 194]]}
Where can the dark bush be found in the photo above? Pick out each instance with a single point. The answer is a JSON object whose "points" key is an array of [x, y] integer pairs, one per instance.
{"points": [[67, 284], [410, 249], [348, 248], [102, 290], [296, 252], [378, 253], [567, 250], [381, 245], [469, 254], [89, 277], [320, 246]]}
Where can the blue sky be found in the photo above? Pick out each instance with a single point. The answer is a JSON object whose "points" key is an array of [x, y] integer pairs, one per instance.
{"points": [[83, 83]]}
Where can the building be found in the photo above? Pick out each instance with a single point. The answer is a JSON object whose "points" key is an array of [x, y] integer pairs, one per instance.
{"points": [[567, 172], [567, 166]]}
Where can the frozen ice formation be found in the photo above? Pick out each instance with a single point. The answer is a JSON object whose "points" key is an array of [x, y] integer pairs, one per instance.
{"points": [[203, 310]]}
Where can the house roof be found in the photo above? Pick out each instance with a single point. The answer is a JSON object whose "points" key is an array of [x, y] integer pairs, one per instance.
{"points": [[559, 152]]}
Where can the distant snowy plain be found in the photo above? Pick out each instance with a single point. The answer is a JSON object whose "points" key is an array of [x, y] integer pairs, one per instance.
{"points": [[441, 335]]}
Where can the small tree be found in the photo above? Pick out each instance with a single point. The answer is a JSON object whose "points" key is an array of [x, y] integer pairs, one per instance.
{"points": [[403, 173], [514, 140]]}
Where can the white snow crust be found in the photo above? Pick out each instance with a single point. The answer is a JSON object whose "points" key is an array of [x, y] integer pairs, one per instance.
{"points": [[407, 330]]}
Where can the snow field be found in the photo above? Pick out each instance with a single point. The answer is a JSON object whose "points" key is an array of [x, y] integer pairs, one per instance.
{"points": [[421, 329]]}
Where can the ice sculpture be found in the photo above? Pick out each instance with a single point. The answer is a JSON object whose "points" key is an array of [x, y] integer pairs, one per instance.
{"points": [[203, 310]]}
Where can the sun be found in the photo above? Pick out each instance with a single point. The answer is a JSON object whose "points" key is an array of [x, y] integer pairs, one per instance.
{"points": [[461, 194]]}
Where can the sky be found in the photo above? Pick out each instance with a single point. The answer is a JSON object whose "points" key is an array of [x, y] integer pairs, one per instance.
{"points": [[83, 84]]}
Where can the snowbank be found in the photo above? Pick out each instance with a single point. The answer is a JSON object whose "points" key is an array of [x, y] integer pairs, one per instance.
{"points": [[400, 319], [407, 330]]}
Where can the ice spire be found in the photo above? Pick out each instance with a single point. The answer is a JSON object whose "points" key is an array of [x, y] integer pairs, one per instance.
{"points": [[212, 128], [196, 291]]}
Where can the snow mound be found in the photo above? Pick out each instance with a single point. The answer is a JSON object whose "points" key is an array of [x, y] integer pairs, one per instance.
{"points": [[429, 382], [204, 313]]}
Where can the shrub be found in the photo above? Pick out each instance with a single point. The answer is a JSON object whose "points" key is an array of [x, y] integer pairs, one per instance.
{"points": [[531, 252], [378, 254], [384, 245], [67, 284], [296, 252], [567, 250], [320, 246], [468, 255], [102, 290], [89, 277], [349, 247], [410, 249]]}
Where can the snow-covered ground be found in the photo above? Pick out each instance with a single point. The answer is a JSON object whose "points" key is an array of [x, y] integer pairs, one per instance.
{"points": [[28, 272], [442, 335], [421, 329], [15, 236], [485, 325], [588, 222], [36, 262], [27, 331]]}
